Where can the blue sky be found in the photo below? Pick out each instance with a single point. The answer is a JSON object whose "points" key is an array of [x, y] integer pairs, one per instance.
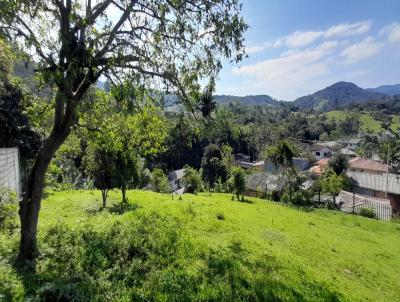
{"points": [[296, 47]]}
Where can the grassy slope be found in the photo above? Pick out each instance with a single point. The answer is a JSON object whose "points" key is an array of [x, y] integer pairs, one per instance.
{"points": [[367, 121], [355, 257]]}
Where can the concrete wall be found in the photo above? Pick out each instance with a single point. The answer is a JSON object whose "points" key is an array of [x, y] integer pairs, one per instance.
{"points": [[10, 172]]}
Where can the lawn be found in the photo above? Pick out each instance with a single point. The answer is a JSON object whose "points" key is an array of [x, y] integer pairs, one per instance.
{"points": [[203, 248], [368, 123]]}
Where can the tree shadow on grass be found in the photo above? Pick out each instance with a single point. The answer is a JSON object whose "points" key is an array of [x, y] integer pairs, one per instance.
{"points": [[147, 256], [121, 208]]}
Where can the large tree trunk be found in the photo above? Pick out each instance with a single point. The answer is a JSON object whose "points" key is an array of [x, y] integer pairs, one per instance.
{"points": [[104, 197], [32, 195]]}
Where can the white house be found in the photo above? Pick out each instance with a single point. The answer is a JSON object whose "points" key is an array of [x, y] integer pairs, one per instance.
{"points": [[321, 152], [175, 179]]}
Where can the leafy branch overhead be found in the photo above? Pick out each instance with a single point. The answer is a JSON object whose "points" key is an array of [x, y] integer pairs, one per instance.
{"points": [[169, 43]]}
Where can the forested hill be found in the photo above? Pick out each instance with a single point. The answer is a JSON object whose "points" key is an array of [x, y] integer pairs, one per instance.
{"points": [[247, 100], [391, 90], [340, 94]]}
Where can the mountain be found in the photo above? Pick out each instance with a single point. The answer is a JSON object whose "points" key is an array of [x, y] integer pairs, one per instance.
{"points": [[247, 100], [340, 94], [387, 89]]}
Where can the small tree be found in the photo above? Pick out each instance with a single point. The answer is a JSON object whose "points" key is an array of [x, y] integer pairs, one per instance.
{"points": [[125, 170], [237, 181], [338, 163], [191, 179], [212, 165], [99, 162], [332, 184], [159, 181]]}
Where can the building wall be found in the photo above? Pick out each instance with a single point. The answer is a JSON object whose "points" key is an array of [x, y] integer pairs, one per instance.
{"points": [[10, 175], [321, 154]]}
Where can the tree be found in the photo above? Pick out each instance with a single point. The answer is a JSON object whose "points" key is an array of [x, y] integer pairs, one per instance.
{"points": [[15, 130], [339, 163], [191, 179], [237, 181], [179, 43], [99, 162], [159, 181], [212, 165], [332, 184], [281, 155]]}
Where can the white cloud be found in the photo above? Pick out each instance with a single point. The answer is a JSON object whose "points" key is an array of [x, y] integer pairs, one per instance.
{"points": [[257, 48], [360, 51], [392, 32], [348, 29], [285, 76], [302, 38]]}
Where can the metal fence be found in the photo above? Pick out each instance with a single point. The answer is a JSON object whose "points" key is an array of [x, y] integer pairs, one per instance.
{"points": [[353, 203], [10, 175]]}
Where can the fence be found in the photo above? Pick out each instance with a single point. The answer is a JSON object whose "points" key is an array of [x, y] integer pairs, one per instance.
{"points": [[354, 204], [10, 175]]}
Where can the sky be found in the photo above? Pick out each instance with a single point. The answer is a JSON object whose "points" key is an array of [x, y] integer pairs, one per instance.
{"points": [[297, 47]]}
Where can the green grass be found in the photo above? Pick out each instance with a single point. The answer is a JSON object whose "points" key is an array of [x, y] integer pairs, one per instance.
{"points": [[368, 122], [204, 248]]}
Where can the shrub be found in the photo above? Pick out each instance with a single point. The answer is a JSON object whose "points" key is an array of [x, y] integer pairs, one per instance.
{"points": [[367, 212], [8, 209], [159, 181], [191, 180]]}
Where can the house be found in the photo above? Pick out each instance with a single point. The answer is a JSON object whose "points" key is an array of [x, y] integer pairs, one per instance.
{"points": [[364, 165], [354, 143], [240, 157], [10, 170], [256, 165], [175, 179], [320, 152], [300, 163], [348, 151], [385, 185], [259, 184], [320, 166]]}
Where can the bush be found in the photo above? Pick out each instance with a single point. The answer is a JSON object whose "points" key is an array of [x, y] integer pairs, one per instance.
{"points": [[367, 212], [8, 209], [159, 181]]}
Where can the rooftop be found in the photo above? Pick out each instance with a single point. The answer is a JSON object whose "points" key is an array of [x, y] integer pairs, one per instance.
{"points": [[177, 174], [376, 182], [367, 164], [263, 181]]}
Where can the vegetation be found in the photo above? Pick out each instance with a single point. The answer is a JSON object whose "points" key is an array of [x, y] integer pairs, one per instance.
{"points": [[237, 181], [175, 250], [191, 180], [159, 181], [87, 45]]}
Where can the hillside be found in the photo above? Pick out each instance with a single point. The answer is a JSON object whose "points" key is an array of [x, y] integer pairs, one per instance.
{"points": [[368, 122], [247, 100], [387, 89], [340, 94], [203, 248]]}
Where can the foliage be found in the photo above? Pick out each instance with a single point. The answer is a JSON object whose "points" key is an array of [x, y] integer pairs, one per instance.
{"points": [[191, 180], [367, 212], [159, 181], [237, 182], [161, 249], [338, 163], [100, 165], [332, 184], [212, 165], [8, 209], [15, 130]]}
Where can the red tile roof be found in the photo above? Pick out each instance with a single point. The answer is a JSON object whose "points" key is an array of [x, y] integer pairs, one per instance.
{"points": [[367, 164]]}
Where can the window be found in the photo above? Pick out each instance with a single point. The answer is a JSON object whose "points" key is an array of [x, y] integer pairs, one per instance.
{"points": [[317, 153], [326, 153]]}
